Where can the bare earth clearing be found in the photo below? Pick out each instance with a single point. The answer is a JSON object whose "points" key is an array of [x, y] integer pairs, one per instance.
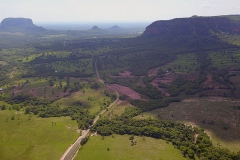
{"points": [[126, 90], [211, 83], [167, 78], [153, 72]]}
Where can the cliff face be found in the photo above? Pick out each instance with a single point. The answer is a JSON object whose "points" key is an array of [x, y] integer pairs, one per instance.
{"points": [[195, 25], [19, 24]]}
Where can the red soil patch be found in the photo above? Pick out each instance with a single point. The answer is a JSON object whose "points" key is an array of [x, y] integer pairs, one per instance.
{"points": [[165, 79], [212, 84], [126, 90], [125, 73], [235, 80], [153, 72], [209, 81]]}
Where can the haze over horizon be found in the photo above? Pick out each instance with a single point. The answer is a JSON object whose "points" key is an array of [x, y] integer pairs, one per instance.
{"points": [[69, 11]]}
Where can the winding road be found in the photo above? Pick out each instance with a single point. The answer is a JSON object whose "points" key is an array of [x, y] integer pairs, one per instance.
{"points": [[71, 152]]}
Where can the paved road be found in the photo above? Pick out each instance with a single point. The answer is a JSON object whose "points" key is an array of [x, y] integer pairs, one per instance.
{"points": [[72, 150]]}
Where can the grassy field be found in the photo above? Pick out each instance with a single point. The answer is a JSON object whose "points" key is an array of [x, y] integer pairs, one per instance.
{"points": [[225, 58], [217, 115], [92, 100], [29, 137], [119, 148], [117, 109], [185, 63]]}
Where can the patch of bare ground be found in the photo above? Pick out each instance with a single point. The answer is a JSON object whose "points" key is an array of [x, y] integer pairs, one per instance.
{"points": [[153, 71], [126, 90], [167, 78], [33, 92], [210, 83], [125, 73]]}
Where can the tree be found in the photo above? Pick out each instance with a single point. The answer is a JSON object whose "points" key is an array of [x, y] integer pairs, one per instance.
{"points": [[84, 140], [3, 107]]}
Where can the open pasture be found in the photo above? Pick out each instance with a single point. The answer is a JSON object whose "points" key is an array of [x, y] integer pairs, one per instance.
{"points": [[117, 109], [24, 136], [91, 99], [119, 148]]}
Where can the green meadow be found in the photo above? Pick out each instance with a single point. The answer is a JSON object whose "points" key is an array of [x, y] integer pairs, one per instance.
{"points": [[185, 63], [30, 137], [117, 109], [91, 99], [119, 147]]}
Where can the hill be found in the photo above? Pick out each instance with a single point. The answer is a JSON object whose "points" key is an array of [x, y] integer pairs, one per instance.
{"points": [[19, 25], [115, 27], [193, 25]]}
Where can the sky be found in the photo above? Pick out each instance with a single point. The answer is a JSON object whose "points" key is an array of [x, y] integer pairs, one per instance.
{"points": [[52, 11]]}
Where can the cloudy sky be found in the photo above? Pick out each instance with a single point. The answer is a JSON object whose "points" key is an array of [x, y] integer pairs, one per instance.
{"points": [[114, 10]]}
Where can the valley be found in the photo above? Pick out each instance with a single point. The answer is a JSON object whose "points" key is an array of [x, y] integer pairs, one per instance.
{"points": [[176, 91]]}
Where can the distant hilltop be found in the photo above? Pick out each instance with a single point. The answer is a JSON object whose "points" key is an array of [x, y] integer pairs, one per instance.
{"points": [[194, 25], [19, 24], [115, 27], [95, 27]]}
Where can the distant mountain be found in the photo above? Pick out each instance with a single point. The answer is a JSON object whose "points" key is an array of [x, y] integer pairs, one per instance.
{"points": [[194, 25], [19, 25], [115, 27], [95, 27]]}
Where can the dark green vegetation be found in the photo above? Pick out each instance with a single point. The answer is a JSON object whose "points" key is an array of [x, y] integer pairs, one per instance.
{"points": [[55, 76], [190, 140], [219, 116]]}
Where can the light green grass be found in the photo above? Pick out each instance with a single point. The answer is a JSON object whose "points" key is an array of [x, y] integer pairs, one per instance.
{"points": [[36, 138], [117, 109], [93, 100], [184, 63], [225, 58], [120, 149]]}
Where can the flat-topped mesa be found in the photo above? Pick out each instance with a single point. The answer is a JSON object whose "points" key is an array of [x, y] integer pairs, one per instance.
{"points": [[193, 25], [19, 24]]}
